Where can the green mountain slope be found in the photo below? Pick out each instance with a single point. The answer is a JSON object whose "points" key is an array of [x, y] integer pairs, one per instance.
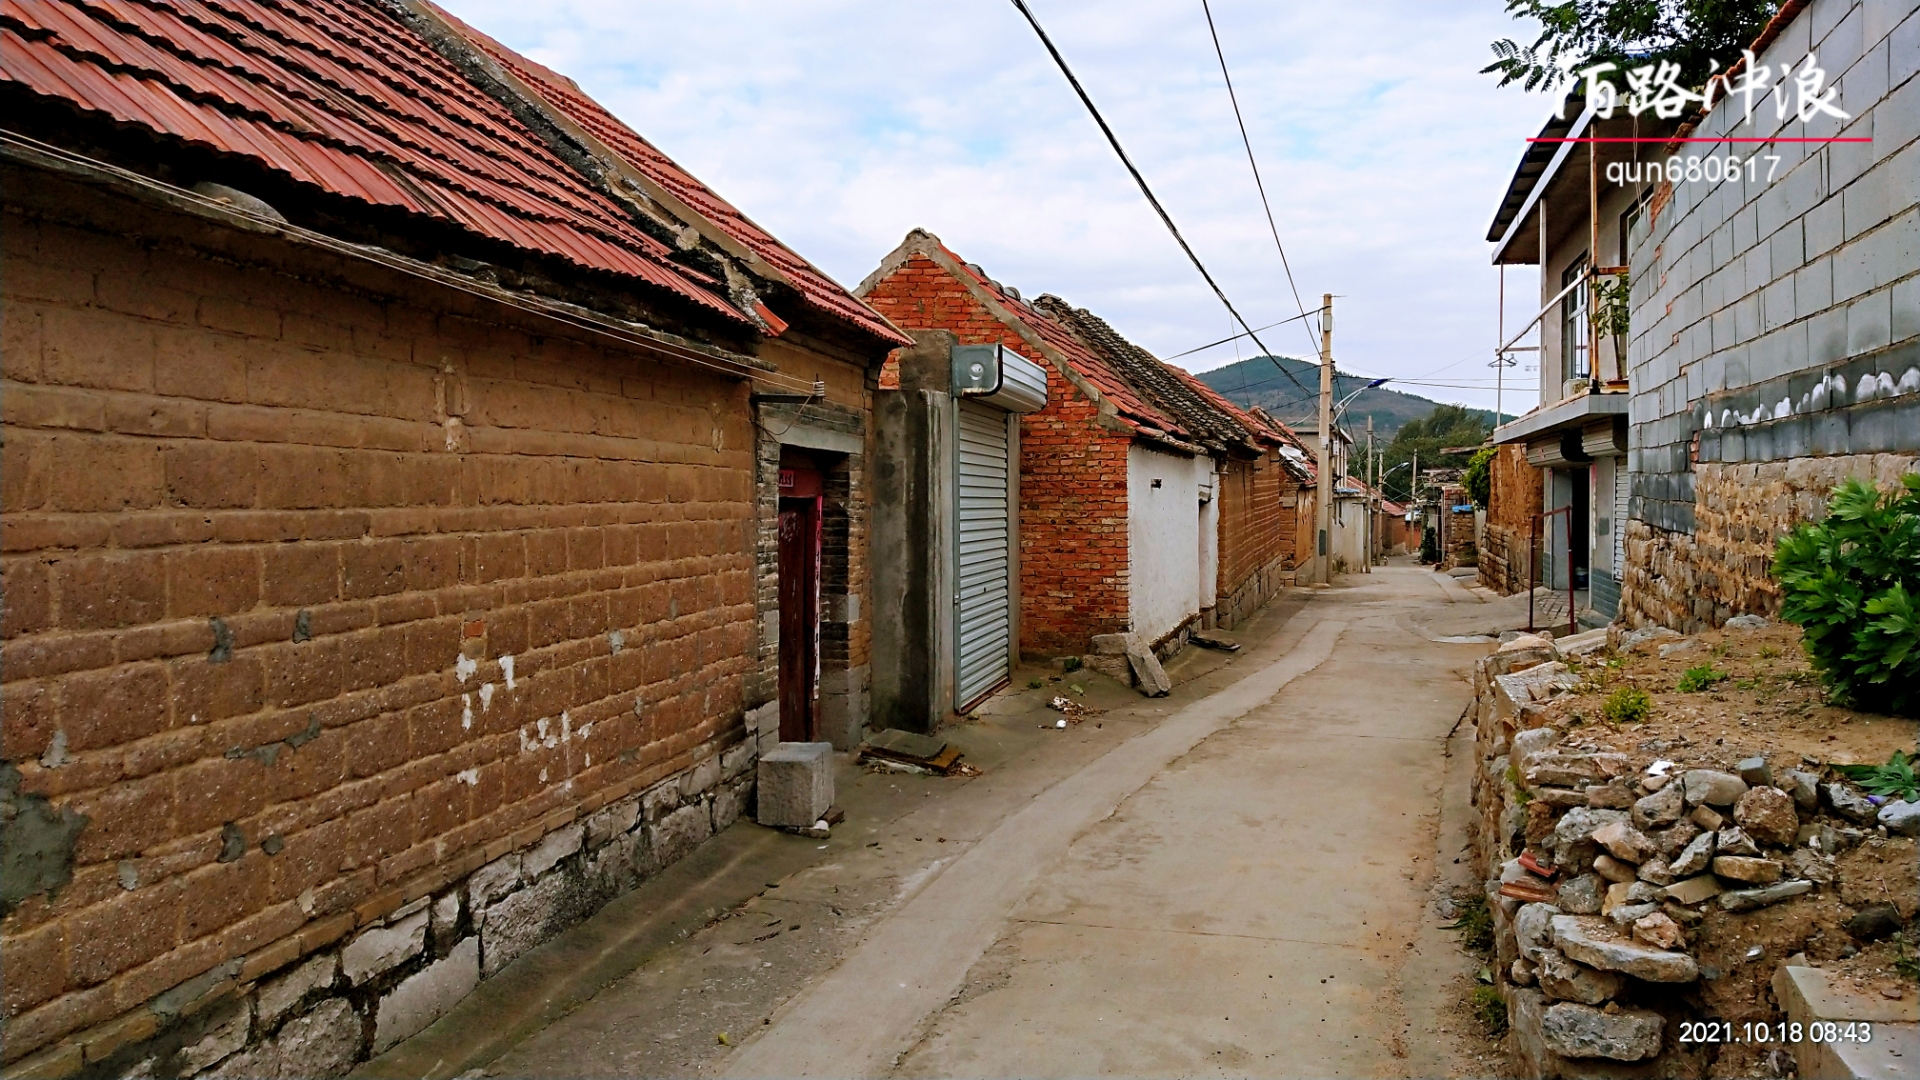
{"points": [[1258, 382]]}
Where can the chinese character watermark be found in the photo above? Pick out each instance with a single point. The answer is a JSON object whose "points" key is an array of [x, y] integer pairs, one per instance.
{"points": [[1656, 88]]}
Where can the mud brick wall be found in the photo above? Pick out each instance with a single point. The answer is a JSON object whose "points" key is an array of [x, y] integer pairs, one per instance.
{"points": [[1456, 528], [319, 600], [1506, 552], [1256, 536], [1694, 581], [1073, 477]]}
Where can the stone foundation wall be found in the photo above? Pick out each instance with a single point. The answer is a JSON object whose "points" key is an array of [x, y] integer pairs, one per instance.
{"points": [[1695, 581]]}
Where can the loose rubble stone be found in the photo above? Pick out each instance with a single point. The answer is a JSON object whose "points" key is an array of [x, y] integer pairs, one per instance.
{"points": [[1533, 741], [1575, 830], [1746, 622], [1572, 770], [1819, 836], [1624, 842], [1901, 818], [1112, 644], [1749, 899], [1678, 647], [1711, 787], [1533, 929], [1563, 980], [1646, 634], [1747, 869], [1707, 818], [1596, 943], [1659, 931], [1768, 815], [1873, 922], [1557, 798], [1694, 889], [1754, 771], [1804, 787], [1582, 1031], [1613, 869], [1610, 796], [1734, 841], [1521, 973], [1674, 840], [1695, 857], [1810, 864], [1582, 895], [1660, 809], [1850, 804], [1656, 871], [1626, 915]]}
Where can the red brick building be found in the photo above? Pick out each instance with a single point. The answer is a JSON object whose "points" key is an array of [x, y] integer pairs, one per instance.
{"points": [[391, 504], [1131, 464]]}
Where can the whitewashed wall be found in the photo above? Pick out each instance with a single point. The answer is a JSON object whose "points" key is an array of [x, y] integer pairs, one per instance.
{"points": [[1164, 539]]}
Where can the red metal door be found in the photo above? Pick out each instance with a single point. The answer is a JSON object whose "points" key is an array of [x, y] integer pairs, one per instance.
{"points": [[800, 551]]}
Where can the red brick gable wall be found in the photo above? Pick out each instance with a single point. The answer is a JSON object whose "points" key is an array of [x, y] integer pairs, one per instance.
{"points": [[1256, 535], [1073, 476]]}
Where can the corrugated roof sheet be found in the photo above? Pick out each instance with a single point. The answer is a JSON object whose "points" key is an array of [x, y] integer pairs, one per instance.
{"points": [[344, 97], [562, 93]]}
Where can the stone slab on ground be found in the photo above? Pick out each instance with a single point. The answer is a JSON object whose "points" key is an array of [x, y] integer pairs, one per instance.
{"points": [[1526, 1012], [1147, 672], [796, 784], [1808, 996], [1597, 943]]}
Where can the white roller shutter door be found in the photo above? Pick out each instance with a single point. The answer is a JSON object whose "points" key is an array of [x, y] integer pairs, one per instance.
{"points": [[982, 608], [1622, 489]]}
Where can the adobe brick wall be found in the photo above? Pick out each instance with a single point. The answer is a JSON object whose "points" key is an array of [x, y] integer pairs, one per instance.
{"points": [[1073, 477], [1256, 537], [1514, 497], [323, 604]]}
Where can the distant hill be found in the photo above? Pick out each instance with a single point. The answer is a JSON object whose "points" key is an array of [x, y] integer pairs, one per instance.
{"points": [[1257, 382]]}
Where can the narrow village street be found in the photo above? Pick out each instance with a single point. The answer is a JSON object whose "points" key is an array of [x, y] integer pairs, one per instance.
{"points": [[1236, 879]]}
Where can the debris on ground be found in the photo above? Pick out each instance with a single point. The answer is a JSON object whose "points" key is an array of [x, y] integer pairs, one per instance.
{"points": [[1214, 639], [1660, 869], [1072, 712], [906, 751]]}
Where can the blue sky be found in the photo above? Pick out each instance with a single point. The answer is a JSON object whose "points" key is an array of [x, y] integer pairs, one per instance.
{"points": [[840, 125]]}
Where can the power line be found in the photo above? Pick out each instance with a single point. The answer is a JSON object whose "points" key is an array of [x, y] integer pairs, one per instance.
{"points": [[1258, 184], [1236, 337], [1165, 218]]}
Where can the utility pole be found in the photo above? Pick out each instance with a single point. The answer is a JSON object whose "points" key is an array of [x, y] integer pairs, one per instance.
{"points": [[1373, 480], [1413, 494], [1323, 496]]}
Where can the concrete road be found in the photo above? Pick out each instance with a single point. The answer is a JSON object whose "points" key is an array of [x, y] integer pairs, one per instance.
{"points": [[1237, 891], [1235, 880]]}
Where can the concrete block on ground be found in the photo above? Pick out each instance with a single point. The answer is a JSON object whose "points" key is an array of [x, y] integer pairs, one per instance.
{"points": [[384, 948], [795, 784], [1147, 672], [1808, 996], [425, 996], [1112, 644]]}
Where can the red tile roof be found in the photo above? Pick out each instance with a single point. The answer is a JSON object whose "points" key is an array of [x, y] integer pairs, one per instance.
{"points": [[1060, 337], [563, 94], [344, 97]]}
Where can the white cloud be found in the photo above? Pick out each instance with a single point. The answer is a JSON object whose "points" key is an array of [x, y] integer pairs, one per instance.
{"points": [[840, 125]]}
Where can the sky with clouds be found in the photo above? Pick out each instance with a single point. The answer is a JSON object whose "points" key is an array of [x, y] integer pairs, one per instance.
{"points": [[840, 125]]}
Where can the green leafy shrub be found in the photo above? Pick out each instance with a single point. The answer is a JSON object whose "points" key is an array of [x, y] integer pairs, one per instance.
{"points": [[1850, 583], [1478, 479], [1700, 677], [1071, 663], [1896, 777], [1627, 705]]}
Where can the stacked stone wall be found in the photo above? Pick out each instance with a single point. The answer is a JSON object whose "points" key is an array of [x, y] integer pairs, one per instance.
{"points": [[1514, 497], [1695, 581]]}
